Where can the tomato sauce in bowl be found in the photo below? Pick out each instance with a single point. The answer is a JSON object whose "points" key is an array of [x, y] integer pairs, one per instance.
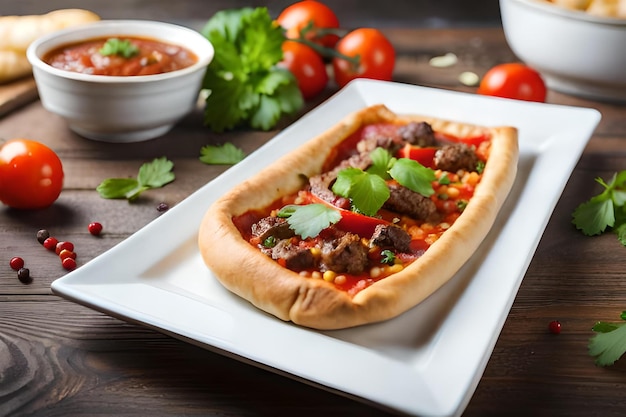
{"points": [[150, 56]]}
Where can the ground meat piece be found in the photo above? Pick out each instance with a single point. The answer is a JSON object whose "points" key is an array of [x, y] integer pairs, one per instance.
{"points": [[391, 236], [455, 157], [272, 226], [296, 258], [418, 133], [345, 253], [405, 201], [372, 142], [320, 185]]}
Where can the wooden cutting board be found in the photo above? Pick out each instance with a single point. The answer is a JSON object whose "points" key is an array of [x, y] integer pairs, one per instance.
{"points": [[16, 94]]}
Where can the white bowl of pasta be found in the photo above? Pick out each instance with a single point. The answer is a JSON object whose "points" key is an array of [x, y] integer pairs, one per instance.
{"points": [[576, 45]]}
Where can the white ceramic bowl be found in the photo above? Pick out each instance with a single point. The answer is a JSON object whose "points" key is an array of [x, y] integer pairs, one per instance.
{"points": [[120, 108], [576, 53]]}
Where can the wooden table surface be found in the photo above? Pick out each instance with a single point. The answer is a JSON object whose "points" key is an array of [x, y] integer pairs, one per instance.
{"points": [[58, 358]]}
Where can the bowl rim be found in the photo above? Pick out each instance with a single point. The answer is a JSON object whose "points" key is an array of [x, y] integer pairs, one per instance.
{"points": [[581, 15], [124, 27]]}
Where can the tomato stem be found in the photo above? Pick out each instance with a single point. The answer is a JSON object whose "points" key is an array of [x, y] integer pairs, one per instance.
{"points": [[325, 52]]}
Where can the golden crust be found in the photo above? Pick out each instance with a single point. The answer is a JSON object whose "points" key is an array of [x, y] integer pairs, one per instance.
{"points": [[314, 302]]}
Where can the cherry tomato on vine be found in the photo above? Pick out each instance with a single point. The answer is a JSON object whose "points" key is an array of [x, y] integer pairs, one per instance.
{"points": [[375, 53], [307, 66], [513, 80], [31, 174], [298, 15]]}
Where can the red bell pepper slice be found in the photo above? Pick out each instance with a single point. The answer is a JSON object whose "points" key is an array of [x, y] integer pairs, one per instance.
{"points": [[360, 224], [425, 156]]}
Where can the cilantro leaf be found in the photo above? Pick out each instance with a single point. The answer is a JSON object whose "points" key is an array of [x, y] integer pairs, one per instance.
{"points": [[114, 46], [153, 174], [156, 173], [604, 210], [609, 344], [117, 187], [244, 85], [414, 176], [309, 220], [368, 192], [227, 154], [595, 215], [381, 162]]}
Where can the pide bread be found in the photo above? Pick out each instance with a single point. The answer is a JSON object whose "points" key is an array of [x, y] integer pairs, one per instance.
{"points": [[359, 266]]}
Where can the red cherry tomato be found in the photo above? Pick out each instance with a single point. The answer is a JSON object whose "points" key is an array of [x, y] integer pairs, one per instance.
{"points": [[375, 53], [513, 80], [307, 66], [297, 16], [31, 174]]}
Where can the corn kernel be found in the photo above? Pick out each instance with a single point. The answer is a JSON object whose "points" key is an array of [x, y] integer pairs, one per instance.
{"points": [[315, 251], [329, 276], [395, 268], [453, 192]]}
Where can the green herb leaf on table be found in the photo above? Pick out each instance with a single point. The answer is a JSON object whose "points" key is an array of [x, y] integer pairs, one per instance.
{"points": [[605, 210], [226, 154], [243, 83], [609, 344], [114, 46], [309, 220], [153, 174]]}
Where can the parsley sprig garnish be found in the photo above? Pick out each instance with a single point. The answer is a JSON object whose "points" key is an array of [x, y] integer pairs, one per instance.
{"points": [[368, 190], [153, 174], [121, 47], [600, 213], [244, 85], [605, 210]]}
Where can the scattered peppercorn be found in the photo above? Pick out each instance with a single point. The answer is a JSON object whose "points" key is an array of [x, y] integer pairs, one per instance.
{"points": [[50, 243], [67, 254], [16, 263], [94, 228], [555, 327], [23, 274], [162, 207], [69, 264], [63, 245], [42, 235]]}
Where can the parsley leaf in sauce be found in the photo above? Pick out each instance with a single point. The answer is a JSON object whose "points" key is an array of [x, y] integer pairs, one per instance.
{"points": [[309, 220], [153, 174], [121, 47]]}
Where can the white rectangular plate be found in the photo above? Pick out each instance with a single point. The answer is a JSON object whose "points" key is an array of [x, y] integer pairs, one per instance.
{"points": [[427, 361]]}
